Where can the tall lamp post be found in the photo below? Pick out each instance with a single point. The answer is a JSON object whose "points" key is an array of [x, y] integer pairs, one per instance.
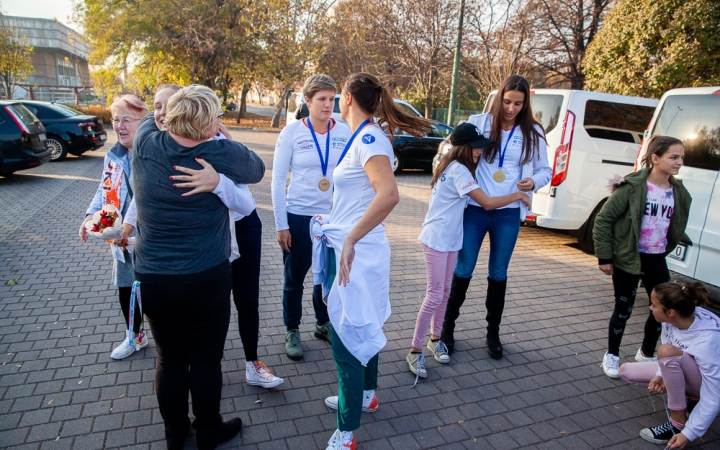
{"points": [[456, 68]]}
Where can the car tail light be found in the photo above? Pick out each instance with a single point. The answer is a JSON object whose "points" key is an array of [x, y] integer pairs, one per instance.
{"points": [[18, 120], [636, 166], [562, 154], [89, 125], [716, 92]]}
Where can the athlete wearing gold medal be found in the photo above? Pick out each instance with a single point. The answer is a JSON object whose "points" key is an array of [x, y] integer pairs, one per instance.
{"points": [[309, 149], [516, 161]]}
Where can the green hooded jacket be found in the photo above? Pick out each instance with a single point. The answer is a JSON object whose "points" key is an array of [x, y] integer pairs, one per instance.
{"points": [[617, 225]]}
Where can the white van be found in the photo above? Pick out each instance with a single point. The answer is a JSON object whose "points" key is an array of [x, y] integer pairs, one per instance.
{"points": [[693, 116], [590, 136], [296, 100]]}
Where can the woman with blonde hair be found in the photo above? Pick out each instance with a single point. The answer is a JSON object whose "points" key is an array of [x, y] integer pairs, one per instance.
{"points": [[116, 189], [182, 261], [365, 193]]}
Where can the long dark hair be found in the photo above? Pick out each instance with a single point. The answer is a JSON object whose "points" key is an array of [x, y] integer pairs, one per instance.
{"points": [[658, 145], [374, 98], [682, 297], [460, 153], [524, 119]]}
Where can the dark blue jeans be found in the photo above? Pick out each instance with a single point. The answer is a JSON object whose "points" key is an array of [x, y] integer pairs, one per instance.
{"points": [[503, 225], [297, 263]]}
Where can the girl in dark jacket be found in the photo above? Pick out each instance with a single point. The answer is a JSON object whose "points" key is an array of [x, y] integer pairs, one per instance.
{"points": [[642, 221]]}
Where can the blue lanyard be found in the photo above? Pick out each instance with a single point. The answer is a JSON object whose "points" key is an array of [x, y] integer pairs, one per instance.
{"points": [[347, 146], [323, 164], [502, 154]]}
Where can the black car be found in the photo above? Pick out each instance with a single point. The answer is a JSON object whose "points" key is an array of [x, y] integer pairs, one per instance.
{"points": [[68, 131], [417, 153], [22, 139]]}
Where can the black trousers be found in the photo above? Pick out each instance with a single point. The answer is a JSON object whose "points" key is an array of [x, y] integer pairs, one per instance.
{"points": [[655, 271], [124, 294], [246, 282], [189, 317]]}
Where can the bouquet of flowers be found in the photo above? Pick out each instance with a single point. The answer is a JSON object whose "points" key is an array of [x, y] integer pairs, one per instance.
{"points": [[105, 224]]}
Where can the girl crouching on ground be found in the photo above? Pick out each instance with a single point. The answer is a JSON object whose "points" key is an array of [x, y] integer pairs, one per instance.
{"points": [[442, 235], [688, 364]]}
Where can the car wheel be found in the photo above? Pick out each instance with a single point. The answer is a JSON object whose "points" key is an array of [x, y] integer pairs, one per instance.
{"points": [[586, 242], [396, 163], [58, 148]]}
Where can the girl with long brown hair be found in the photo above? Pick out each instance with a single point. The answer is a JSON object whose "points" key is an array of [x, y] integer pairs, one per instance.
{"points": [[365, 193], [453, 184], [516, 161]]}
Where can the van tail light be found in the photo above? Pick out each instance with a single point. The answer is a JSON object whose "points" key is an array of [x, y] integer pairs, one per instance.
{"points": [[562, 154], [18, 120], [646, 135], [716, 92]]}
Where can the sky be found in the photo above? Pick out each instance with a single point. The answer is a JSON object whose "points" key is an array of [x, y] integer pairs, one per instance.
{"points": [[44, 9]]}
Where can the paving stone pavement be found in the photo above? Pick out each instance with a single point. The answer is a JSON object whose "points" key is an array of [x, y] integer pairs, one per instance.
{"points": [[59, 389]]}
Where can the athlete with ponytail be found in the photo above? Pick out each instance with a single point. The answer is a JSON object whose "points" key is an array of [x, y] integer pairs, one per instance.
{"points": [[642, 221], [688, 366]]}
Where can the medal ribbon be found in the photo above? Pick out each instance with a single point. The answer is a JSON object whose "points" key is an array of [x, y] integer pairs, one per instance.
{"points": [[347, 146], [502, 154], [323, 164]]}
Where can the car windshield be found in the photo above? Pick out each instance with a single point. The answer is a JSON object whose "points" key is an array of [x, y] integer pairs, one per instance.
{"points": [[24, 114], [546, 109], [66, 110], [694, 119]]}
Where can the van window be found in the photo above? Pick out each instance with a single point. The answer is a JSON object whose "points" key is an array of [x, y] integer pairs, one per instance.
{"points": [[336, 108], [616, 121], [694, 119], [546, 109]]}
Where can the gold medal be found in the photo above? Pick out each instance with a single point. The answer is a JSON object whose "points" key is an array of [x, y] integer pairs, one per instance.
{"points": [[499, 176], [324, 184]]}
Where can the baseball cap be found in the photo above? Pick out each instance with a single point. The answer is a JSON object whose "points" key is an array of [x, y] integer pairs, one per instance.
{"points": [[468, 134]]}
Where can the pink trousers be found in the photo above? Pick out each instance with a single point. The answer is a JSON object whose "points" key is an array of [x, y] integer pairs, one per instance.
{"points": [[681, 375], [439, 267]]}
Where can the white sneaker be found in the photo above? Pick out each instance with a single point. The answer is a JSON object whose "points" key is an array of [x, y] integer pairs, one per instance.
{"points": [[124, 350], [610, 365], [257, 374], [639, 357], [341, 440], [370, 403]]}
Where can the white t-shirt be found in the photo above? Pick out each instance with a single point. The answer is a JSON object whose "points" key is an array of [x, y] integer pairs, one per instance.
{"points": [[512, 166], [353, 191], [295, 149], [442, 229]]}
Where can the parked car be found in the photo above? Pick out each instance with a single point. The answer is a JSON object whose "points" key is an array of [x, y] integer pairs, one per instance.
{"points": [[591, 136], [296, 100], [68, 130], [418, 153], [22, 139], [693, 116]]}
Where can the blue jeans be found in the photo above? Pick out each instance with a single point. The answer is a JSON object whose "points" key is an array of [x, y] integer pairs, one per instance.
{"points": [[503, 225], [297, 264]]}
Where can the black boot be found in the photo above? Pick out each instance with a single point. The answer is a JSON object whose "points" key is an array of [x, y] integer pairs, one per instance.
{"points": [[495, 304], [209, 439], [458, 289]]}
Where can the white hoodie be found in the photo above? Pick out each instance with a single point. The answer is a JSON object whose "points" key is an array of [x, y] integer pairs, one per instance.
{"points": [[702, 342]]}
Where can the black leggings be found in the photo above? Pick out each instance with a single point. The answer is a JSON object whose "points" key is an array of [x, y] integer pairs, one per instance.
{"points": [[124, 294], [655, 271], [246, 282]]}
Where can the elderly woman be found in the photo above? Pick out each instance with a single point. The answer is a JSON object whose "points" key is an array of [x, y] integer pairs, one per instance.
{"points": [[116, 190], [181, 261]]}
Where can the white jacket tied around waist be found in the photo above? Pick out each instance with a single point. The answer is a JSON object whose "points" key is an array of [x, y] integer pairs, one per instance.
{"points": [[359, 310]]}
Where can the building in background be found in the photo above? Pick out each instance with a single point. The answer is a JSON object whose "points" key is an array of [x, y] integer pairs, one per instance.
{"points": [[60, 59]]}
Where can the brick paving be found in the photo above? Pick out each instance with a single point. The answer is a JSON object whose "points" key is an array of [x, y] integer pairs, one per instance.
{"points": [[59, 389]]}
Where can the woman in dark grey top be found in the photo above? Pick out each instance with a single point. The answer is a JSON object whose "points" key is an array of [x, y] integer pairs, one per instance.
{"points": [[181, 261]]}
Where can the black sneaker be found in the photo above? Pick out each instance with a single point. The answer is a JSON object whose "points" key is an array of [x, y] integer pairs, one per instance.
{"points": [[660, 434]]}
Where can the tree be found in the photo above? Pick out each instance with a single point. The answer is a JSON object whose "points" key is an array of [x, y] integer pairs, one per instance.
{"points": [[562, 31], [647, 47], [15, 58], [107, 83]]}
